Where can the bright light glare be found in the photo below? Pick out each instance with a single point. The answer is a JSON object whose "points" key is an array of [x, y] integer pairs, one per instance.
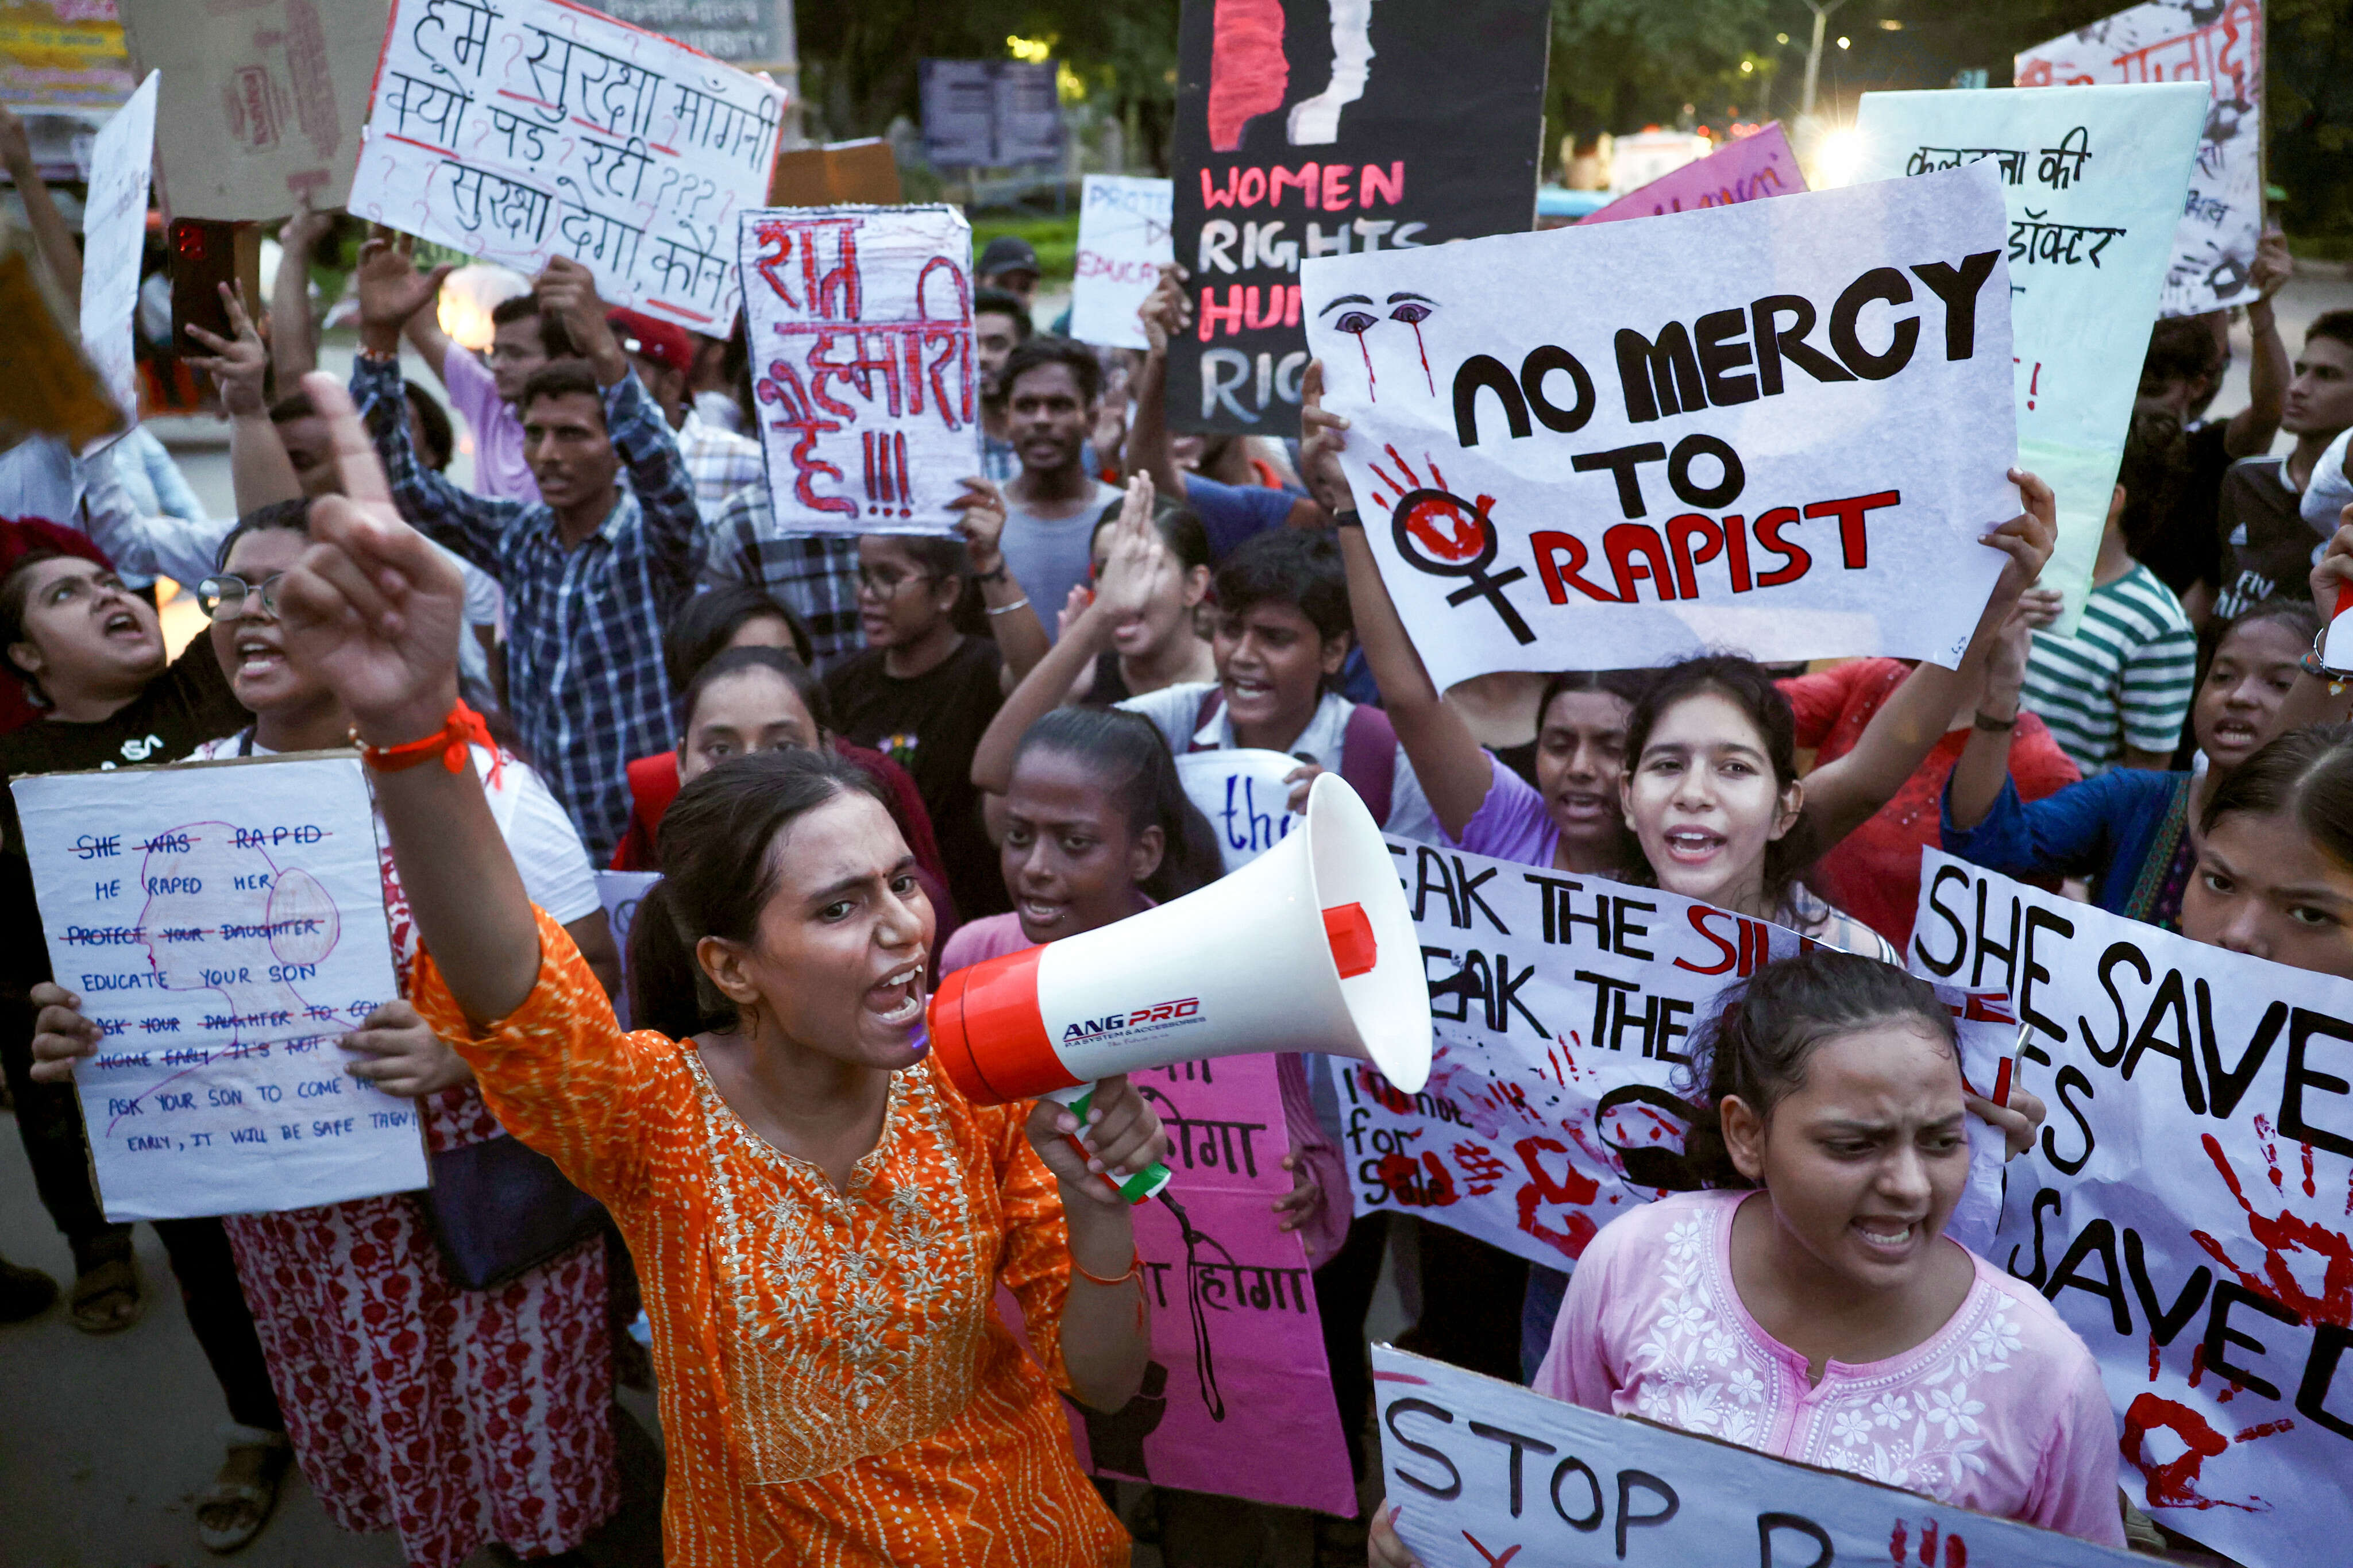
{"points": [[1036, 51], [469, 296], [1747, 66], [1836, 158], [1845, 42]]}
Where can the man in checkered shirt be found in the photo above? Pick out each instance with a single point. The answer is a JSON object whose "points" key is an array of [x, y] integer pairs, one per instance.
{"points": [[594, 571]]}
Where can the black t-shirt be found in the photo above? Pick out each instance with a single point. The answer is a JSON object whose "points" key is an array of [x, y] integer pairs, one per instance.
{"points": [[1110, 687], [931, 724], [185, 706], [2185, 547], [2267, 547]]}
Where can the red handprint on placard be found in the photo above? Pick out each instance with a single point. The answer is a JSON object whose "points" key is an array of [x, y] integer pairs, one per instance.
{"points": [[1482, 1171], [1956, 1551], [1571, 1187], [2278, 1234], [2173, 1483]]}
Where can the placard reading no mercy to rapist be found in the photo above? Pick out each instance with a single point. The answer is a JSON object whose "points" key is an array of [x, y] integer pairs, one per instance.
{"points": [[1779, 427], [224, 949]]}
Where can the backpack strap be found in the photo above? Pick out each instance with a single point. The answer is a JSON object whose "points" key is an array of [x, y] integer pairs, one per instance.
{"points": [[1369, 749], [1212, 700]]}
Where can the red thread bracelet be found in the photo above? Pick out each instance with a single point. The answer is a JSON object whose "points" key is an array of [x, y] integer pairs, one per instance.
{"points": [[462, 729], [1134, 1265]]}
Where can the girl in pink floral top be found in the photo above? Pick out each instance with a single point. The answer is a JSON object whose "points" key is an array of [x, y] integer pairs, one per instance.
{"points": [[1816, 1312]]}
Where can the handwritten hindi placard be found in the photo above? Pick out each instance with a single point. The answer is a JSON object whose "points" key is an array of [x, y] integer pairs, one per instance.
{"points": [[114, 232], [2220, 42], [1237, 1398], [1240, 790], [537, 128], [2186, 1207], [1563, 1008], [861, 326], [1485, 1472], [1748, 169], [223, 950], [2093, 179], [1764, 427], [1124, 241]]}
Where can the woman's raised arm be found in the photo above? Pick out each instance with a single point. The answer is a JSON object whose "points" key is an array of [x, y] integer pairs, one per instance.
{"points": [[377, 611]]}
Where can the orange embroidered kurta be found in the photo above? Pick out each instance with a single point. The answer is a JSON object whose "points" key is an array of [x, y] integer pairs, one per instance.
{"points": [[836, 1385]]}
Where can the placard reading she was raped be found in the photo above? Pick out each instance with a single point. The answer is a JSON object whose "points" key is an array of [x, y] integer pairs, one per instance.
{"points": [[224, 953], [1779, 428], [1485, 1473], [537, 128], [859, 321], [2185, 1209], [1562, 1007]]}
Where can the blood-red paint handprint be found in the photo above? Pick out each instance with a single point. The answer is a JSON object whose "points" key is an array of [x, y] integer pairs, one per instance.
{"points": [[2280, 1235], [1448, 536], [1572, 1187], [2173, 1484], [1956, 1551]]}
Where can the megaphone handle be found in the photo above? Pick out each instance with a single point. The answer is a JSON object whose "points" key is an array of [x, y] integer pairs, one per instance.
{"points": [[1146, 1182]]}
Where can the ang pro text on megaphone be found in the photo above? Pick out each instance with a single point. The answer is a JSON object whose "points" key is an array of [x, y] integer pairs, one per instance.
{"points": [[1308, 947]]}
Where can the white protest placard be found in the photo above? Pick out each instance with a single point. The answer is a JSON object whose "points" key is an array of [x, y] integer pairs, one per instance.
{"points": [[621, 892], [861, 325], [1484, 1472], [1562, 1007], [1124, 241], [223, 950], [2093, 178], [1779, 428], [1240, 790], [2215, 41], [2185, 1209], [114, 238], [537, 129]]}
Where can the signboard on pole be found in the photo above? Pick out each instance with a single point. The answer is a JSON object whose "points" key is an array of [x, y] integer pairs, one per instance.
{"points": [[1124, 241], [1306, 128], [114, 239]]}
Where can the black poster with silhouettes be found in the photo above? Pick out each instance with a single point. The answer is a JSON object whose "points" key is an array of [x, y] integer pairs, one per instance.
{"points": [[1324, 126]]}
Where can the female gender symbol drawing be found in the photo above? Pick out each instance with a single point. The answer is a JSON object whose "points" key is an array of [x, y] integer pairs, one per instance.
{"points": [[1439, 533]]}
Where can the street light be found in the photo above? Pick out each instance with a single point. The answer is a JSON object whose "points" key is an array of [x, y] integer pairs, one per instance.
{"points": [[1821, 10]]}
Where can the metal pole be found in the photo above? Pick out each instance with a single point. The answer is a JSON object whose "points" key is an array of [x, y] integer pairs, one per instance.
{"points": [[1814, 52]]}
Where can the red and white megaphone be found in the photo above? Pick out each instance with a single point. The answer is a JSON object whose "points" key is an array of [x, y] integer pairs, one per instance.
{"points": [[1309, 947]]}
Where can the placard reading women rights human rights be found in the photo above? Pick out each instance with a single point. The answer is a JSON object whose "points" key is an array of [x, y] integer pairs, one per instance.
{"points": [[2186, 1207], [538, 128], [2093, 178], [224, 949], [1563, 1008], [1780, 426]]}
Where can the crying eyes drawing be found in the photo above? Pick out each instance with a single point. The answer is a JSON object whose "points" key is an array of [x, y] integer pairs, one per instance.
{"points": [[1360, 317]]}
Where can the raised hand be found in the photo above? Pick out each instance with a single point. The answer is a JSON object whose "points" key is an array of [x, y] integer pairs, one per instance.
{"points": [[238, 365], [372, 606], [2027, 538], [1166, 310], [15, 146], [1319, 452], [981, 521], [567, 291], [1120, 1133], [1136, 559], [2273, 266], [390, 287], [61, 1036]]}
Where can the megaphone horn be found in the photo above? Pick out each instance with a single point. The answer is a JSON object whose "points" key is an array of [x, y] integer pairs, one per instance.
{"points": [[1309, 947]]}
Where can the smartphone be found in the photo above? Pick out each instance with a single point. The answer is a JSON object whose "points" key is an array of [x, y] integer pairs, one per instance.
{"points": [[203, 254]]}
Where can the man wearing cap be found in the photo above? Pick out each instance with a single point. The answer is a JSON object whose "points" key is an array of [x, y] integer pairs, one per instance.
{"points": [[719, 462], [1010, 263]]}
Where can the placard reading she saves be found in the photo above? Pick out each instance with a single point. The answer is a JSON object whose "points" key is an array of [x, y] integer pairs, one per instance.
{"points": [[224, 951], [1780, 426]]}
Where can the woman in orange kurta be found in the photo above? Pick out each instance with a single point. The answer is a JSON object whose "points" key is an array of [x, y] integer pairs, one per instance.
{"points": [[820, 1220]]}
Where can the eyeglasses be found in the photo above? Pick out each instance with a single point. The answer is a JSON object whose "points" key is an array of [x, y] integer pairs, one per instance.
{"points": [[222, 598], [884, 584]]}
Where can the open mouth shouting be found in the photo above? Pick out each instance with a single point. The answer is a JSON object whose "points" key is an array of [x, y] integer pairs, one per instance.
{"points": [[897, 1000], [1890, 1240], [1691, 846]]}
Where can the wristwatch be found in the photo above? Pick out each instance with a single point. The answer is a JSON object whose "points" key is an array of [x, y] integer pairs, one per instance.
{"points": [[1993, 726], [1348, 519]]}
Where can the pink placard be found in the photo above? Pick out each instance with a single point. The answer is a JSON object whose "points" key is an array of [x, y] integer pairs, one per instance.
{"points": [[1744, 171], [1237, 1399]]}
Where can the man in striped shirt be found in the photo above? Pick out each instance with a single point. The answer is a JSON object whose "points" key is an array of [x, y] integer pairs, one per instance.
{"points": [[2116, 692]]}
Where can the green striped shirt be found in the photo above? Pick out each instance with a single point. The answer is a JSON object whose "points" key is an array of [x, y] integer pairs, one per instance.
{"points": [[2123, 680]]}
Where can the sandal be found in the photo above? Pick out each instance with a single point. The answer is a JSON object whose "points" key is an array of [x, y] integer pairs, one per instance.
{"points": [[232, 1511], [24, 1292], [107, 1299]]}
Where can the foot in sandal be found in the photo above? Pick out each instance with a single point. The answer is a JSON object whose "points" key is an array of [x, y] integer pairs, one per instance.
{"points": [[244, 1494], [107, 1298]]}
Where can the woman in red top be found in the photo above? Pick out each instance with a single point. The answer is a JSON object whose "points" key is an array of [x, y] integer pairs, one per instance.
{"points": [[1874, 873]]}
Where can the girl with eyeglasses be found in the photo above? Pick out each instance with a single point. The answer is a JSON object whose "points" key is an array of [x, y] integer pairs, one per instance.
{"points": [[927, 684]]}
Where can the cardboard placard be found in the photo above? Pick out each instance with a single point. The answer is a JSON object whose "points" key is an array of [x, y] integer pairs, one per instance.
{"points": [[2216, 41], [1306, 128], [114, 239], [2093, 178], [2185, 1208], [542, 129], [262, 102], [223, 959], [1482, 1472], [837, 173], [1124, 241], [1760, 427], [1563, 1008], [1747, 170], [860, 326]]}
